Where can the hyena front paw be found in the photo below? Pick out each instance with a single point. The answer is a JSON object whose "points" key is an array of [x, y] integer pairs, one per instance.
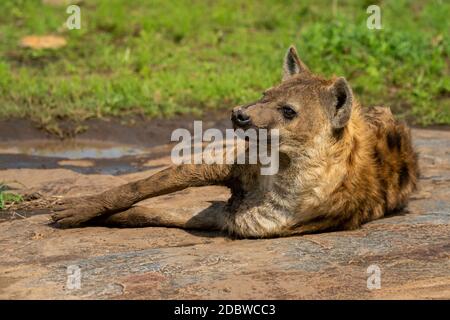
{"points": [[73, 212]]}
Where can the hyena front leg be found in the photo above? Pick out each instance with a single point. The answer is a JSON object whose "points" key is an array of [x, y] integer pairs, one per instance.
{"points": [[73, 212]]}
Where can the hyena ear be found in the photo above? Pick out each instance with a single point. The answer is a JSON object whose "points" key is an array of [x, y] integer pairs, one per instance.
{"points": [[292, 64], [338, 101]]}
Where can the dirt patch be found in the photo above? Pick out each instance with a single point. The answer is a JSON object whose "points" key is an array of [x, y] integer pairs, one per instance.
{"points": [[109, 146], [134, 130]]}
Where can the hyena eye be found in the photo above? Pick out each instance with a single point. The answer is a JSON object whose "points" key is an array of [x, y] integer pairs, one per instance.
{"points": [[288, 111]]}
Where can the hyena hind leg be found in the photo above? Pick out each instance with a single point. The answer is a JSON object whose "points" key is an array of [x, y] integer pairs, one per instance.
{"points": [[210, 218]]}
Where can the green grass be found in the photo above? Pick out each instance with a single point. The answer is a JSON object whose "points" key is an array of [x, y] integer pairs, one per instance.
{"points": [[8, 197], [161, 58]]}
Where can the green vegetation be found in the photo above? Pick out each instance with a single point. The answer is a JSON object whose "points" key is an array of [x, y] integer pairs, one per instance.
{"points": [[8, 197], [161, 58]]}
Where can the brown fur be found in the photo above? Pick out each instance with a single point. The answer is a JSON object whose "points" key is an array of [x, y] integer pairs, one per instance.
{"points": [[341, 166]]}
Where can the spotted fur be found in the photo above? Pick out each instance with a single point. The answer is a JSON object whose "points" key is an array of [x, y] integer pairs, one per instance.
{"points": [[341, 166]]}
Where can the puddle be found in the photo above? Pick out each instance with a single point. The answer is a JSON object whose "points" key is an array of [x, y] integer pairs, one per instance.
{"points": [[71, 149], [83, 156]]}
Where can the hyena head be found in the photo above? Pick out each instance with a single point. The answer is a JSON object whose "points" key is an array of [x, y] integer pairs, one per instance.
{"points": [[302, 107]]}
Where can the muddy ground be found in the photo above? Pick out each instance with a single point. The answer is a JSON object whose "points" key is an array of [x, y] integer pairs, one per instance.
{"points": [[412, 248]]}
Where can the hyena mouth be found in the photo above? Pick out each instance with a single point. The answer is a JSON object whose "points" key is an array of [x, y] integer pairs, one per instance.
{"points": [[256, 134]]}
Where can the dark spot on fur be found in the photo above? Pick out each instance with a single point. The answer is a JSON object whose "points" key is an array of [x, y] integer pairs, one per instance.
{"points": [[284, 160], [350, 159], [338, 133], [403, 175], [383, 186], [237, 194], [278, 189], [379, 159], [383, 191], [394, 140]]}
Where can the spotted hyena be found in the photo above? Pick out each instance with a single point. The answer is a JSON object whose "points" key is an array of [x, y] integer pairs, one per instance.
{"points": [[340, 166]]}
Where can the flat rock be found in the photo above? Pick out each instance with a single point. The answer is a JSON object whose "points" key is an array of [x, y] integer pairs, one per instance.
{"points": [[411, 249]]}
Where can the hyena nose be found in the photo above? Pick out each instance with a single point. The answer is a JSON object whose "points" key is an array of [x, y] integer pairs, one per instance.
{"points": [[239, 118]]}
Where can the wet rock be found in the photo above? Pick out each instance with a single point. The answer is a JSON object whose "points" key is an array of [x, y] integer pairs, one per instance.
{"points": [[411, 249]]}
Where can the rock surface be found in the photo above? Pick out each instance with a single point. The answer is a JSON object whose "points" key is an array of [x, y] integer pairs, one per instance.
{"points": [[412, 249]]}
